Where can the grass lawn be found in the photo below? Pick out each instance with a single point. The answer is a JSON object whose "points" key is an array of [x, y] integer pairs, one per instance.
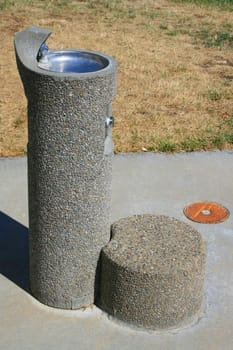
{"points": [[175, 68]]}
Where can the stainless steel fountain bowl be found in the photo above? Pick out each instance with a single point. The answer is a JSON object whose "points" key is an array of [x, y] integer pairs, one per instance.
{"points": [[72, 61]]}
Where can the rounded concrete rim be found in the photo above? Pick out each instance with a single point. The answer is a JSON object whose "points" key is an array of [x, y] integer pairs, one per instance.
{"points": [[28, 43]]}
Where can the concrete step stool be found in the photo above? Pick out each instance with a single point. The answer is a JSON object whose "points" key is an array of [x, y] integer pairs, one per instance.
{"points": [[152, 272]]}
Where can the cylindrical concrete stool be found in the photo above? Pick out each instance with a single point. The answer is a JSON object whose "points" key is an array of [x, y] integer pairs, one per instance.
{"points": [[69, 166], [152, 272]]}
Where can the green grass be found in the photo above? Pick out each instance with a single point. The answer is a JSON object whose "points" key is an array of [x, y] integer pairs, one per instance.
{"points": [[223, 4], [114, 5], [172, 33], [163, 26], [6, 3], [135, 137], [166, 146], [151, 14], [213, 95], [210, 39], [210, 140], [229, 122], [229, 138], [191, 144]]}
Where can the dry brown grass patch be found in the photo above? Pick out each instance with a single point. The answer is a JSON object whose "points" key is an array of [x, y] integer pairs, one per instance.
{"points": [[171, 87]]}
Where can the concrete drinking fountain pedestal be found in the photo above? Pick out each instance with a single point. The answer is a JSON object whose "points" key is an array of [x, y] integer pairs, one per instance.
{"points": [[70, 151], [70, 148], [152, 272]]}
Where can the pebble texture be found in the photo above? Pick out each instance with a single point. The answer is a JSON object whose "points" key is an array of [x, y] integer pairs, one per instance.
{"points": [[152, 272], [68, 173]]}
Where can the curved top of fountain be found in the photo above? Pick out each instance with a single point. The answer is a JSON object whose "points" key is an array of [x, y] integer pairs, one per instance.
{"points": [[33, 54]]}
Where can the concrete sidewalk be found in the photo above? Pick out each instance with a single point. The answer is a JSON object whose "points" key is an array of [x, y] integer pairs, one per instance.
{"points": [[142, 183]]}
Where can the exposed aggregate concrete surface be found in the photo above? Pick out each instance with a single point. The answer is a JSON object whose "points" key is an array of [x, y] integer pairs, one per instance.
{"points": [[69, 174], [152, 272]]}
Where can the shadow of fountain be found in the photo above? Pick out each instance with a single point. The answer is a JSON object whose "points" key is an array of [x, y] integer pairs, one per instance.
{"points": [[14, 254]]}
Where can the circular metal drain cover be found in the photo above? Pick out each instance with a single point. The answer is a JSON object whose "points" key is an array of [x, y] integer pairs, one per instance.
{"points": [[206, 212]]}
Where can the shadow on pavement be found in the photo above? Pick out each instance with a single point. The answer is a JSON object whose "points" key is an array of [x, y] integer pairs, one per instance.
{"points": [[14, 256]]}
